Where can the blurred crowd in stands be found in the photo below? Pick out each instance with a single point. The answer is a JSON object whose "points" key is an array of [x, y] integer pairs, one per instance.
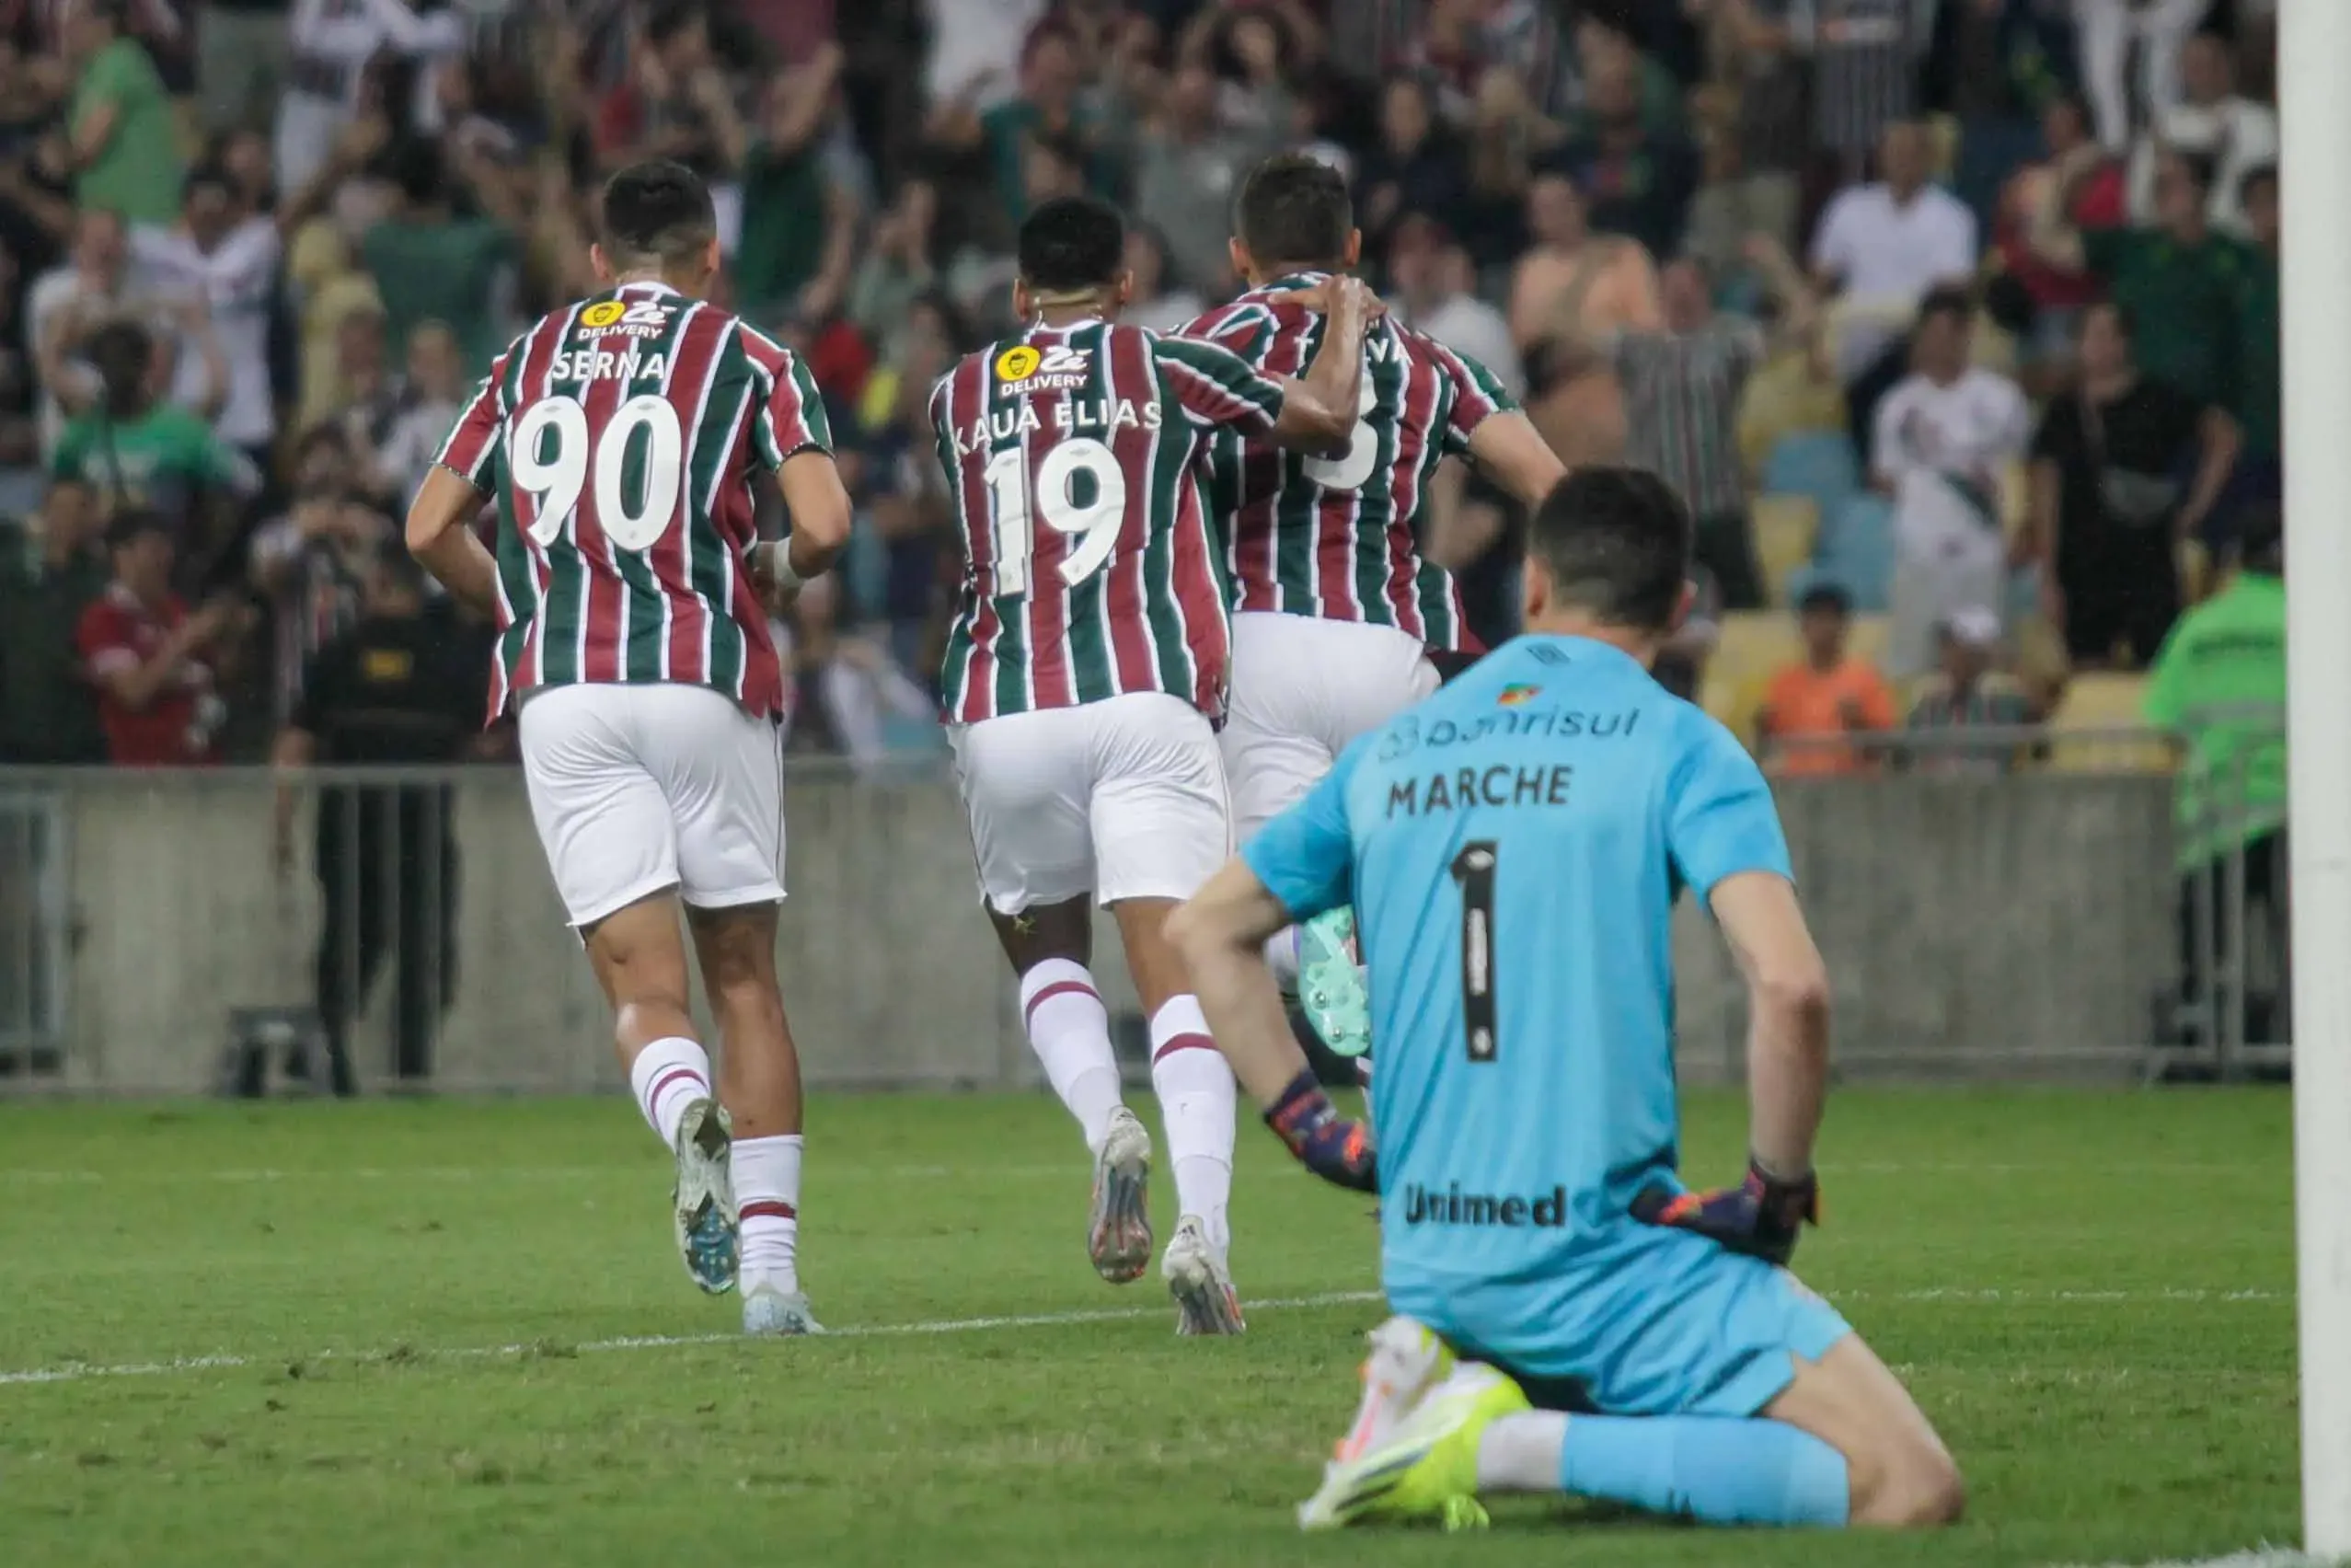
{"points": [[1955, 321]]}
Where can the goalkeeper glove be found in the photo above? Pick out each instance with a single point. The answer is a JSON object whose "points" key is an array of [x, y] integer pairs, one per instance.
{"points": [[1759, 1216], [1332, 1145]]}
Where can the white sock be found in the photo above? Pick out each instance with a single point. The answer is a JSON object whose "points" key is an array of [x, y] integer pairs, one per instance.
{"points": [[767, 1202], [668, 1075], [1521, 1452], [1282, 958], [1196, 1101], [1070, 1031]]}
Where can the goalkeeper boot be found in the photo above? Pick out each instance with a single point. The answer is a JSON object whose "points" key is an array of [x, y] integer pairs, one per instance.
{"points": [[1205, 1300], [1405, 1362], [703, 1200], [770, 1312], [1118, 1229], [1428, 1471], [1332, 991]]}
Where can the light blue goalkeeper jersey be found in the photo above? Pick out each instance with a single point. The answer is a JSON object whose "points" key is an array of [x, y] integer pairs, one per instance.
{"points": [[1512, 846]]}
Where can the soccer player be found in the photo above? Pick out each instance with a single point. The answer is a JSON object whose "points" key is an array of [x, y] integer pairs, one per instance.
{"points": [[1334, 609], [1513, 847], [622, 438], [1084, 671]]}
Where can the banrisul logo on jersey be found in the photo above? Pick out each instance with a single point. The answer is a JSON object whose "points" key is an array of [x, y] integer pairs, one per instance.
{"points": [[1021, 369], [1410, 732]]}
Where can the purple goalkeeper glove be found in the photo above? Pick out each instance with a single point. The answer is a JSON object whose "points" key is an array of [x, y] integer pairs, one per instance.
{"points": [[1760, 1217], [1332, 1146]]}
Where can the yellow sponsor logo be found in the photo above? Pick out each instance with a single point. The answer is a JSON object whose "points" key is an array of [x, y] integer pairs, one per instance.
{"points": [[1017, 363], [603, 314]]}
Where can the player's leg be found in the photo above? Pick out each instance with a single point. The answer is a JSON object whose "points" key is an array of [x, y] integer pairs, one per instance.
{"points": [[1753, 1404], [1161, 829], [721, 770], [1023, 779], [612, 848]]}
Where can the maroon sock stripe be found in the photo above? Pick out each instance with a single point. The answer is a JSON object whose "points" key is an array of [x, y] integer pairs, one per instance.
{"points": [[1195, 1041], [653, 1095], [766, 1208], [1059, 988]]}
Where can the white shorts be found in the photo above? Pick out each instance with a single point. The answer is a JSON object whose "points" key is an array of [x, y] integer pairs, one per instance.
{"points": [[1301, 689], [1121, 799], [636, 789]]}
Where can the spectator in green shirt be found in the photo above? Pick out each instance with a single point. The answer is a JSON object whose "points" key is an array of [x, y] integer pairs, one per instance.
{"points": [[2219, 686], [800, 218], [2183, 281], [124, 144], [140, 452], [1047, 108], [432, 265], [2258, 324]]}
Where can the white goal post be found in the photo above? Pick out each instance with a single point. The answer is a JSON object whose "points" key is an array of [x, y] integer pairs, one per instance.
{"points": [[2314, 94]]}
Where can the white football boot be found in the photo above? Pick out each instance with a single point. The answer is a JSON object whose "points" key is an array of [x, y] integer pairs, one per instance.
{"points": [[1205, 1300], [1118, 1228], [703, 1200]]}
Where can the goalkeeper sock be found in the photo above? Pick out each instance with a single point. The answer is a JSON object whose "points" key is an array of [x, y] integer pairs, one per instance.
{"points": [[1197, 1099], [1070, 1031], [1716, 1470]]}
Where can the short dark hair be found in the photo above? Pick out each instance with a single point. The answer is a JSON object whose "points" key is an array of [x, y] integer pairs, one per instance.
{"points": [[209, 174], [1826, 598], [1948, 299], [1616, 541], [419, 169], [134, 524], [657, 210], [1072, 242], [1295, 208]]}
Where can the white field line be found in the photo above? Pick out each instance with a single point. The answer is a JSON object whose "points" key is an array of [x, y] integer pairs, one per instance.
{"points": [[84, 1371], [2264, 1557]]}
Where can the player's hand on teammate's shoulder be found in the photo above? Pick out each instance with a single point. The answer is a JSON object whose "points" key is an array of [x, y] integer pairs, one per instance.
{"points": [[1337, 292], [1760, 1217]]}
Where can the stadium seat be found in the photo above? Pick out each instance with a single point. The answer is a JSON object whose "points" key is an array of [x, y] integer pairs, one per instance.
{"points": [[1856, 549], [1750, 647], [1822, 465], [1786, 529], [2101, 727]]}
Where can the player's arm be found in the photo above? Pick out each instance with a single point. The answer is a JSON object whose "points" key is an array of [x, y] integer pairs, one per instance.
{"points": [[793, 438], [1299, 866], [1724, 839], [1319, 409], [1487, 425], [440, 533]]}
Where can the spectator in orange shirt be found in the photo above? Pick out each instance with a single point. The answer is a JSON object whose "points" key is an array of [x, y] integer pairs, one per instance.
{"points": [[1826, 695]]}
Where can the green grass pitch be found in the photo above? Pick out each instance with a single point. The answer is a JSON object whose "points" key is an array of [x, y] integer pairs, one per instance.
{"points": [[396, 1334]]}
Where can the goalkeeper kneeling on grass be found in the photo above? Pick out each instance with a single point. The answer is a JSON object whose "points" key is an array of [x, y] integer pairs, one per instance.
{"points": [[1571, 1318]]}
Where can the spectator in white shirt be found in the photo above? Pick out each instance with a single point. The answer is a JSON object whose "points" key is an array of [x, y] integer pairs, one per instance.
{"points": [[1883, 245], [976, 49], [226, 255], [333, 42], [2214, 121], [66, 305], [1944, 436], [437, 392], [1437, 294], [2110, 32]]}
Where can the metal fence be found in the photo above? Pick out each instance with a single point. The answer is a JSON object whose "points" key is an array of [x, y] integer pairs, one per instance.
{"points": [[1993, 904]]}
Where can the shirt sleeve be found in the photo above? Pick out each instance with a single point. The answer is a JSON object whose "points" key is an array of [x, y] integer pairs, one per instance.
{"points": [[1828, 246], [1215, 387], [1478, 395], [1720, 818], [791, 417], [1306, 857], [1247, 331], [469, 453]]}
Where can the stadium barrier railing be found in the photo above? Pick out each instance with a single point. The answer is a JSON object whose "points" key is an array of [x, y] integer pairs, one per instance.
{"points": [[2017, 920]]}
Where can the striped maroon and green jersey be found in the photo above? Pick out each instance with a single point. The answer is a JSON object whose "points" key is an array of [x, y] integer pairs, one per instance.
{"points": [[620, 437], [1333, 537], [1072, 454]]}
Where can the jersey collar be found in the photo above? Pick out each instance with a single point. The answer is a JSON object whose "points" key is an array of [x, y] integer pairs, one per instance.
{"points": [[653, 283], [1291, 283]]}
